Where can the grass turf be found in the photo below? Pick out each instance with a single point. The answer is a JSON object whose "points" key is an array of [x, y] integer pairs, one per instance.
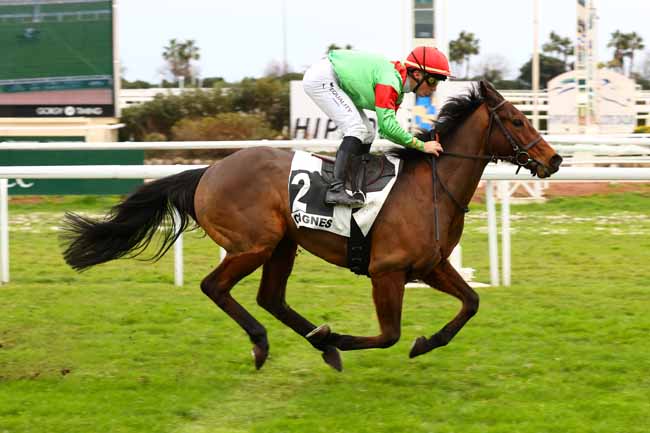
{"points": [[120, 349]]}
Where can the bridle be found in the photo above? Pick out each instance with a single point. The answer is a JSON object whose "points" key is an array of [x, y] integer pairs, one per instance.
{"points": [[521, 158]]}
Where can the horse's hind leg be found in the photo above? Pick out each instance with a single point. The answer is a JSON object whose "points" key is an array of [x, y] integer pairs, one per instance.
{"points": [[272, 297], [217, 287], [445, 278], [388, 294]]}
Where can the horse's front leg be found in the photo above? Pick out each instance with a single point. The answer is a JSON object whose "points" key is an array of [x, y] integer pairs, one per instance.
{"points": [[446, 279], [387, 293]]}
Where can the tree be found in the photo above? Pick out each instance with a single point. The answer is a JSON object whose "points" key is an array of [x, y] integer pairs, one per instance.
{"points": [[268, 95], [493, 68], [137, 84], [640, 80], [635, 42], [276, 68], [618, 41], [462, 48], [212, 81], [290, 76], [563, 47], [624, 44], [179, 55], [549, 67], [511, 85]]}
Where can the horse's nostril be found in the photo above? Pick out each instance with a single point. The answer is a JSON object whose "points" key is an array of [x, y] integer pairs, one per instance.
{"points": [[556, 160]]}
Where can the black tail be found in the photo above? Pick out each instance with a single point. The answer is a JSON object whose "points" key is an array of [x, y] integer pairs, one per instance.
{"points": [[131, 225]]}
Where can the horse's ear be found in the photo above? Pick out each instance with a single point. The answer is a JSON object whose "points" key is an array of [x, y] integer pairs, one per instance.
{"points": [[488, 91]]}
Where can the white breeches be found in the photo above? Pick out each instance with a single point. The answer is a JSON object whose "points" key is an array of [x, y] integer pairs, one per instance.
{"points": [[321, 84]]}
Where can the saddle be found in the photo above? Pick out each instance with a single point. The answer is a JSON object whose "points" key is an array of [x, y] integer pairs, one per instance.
{"points": [[309, 178], [366, 173]]}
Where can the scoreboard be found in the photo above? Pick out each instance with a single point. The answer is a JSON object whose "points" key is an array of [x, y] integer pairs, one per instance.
{"points": [[57, 58]]}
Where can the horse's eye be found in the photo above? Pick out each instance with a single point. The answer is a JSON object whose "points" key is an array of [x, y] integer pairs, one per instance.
{"points": [[518, 123]]}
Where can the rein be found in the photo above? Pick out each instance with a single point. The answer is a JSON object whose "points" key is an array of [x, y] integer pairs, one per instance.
{"points": [[521, 158]]}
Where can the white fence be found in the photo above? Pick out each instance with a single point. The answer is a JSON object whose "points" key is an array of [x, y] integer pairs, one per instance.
{"points": [[502, 174], [525, 100], [611, 145]]}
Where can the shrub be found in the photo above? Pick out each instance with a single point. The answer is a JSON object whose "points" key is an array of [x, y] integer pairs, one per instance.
{"points": [[225, 126], [160, 114], [268, 96], [154, 136]]}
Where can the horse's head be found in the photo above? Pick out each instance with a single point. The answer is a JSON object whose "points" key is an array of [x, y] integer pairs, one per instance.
{"points": [[512, 137]]}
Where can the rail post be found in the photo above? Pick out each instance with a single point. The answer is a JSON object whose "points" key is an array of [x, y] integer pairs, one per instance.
{"points": [[493, 237], [178, 253], [4, 231], [504, 193]]}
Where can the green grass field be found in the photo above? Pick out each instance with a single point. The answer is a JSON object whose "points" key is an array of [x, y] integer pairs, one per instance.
{"points": [[68, 48], [566, 348]]}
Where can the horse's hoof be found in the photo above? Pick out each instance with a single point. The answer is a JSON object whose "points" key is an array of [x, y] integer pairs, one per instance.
{"points": [[319, 334], [420, 346], [332, 357], [259, 355]]}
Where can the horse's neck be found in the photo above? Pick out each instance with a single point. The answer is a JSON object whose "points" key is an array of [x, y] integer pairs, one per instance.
{"points": [[462, 175]]}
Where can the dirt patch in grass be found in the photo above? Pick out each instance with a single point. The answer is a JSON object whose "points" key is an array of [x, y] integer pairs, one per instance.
{"points": [[560, 189], [576, 189]]}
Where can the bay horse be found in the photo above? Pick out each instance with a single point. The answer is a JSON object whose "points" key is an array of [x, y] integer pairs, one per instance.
{"points": [[242, 204]]}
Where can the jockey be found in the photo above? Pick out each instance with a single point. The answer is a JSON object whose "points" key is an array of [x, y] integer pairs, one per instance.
{"points": [[347, 82]]}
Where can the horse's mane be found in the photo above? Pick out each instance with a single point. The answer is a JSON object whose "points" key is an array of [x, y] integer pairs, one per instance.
{"points": [[451, 116]]}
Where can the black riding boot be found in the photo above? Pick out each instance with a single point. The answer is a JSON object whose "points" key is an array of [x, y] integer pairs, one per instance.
{"points": [[336, 194]]}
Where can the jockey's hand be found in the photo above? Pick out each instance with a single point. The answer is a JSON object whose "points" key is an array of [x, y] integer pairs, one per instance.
{"points": [[433, 147]]}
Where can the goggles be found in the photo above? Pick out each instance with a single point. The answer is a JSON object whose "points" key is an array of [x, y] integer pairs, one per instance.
{"points": [[431, 80]]}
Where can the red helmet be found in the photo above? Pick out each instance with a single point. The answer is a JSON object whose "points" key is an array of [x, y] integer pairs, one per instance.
{"points": [[428, 59]]}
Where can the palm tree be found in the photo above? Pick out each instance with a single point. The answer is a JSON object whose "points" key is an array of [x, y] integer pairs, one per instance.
{"points": [[563, 47], [462, 48], [179, 56], [624, 45], [635, 42]]}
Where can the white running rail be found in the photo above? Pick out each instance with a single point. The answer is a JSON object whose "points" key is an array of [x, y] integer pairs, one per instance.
{"points": [[611, 146]]}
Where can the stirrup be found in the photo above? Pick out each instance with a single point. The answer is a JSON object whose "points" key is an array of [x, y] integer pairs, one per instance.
{"points": [[341, 197], [359, 195]]}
